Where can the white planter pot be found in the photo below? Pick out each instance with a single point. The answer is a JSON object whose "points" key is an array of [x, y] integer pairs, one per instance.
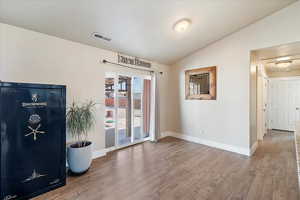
{"points": [[79, 159]]}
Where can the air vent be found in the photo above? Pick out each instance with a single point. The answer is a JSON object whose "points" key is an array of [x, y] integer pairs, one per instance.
{"points": [[98, 36]]}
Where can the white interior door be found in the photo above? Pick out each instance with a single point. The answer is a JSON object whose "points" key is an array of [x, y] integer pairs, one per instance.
{"points": [[296, 103], [284, 103]]}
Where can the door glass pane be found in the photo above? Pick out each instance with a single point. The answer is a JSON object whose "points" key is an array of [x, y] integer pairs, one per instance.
{"points": [[109, 122], [137, 107], [124, 110]]}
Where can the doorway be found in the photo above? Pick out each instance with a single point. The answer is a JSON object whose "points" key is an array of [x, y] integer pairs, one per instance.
{"points": [[275, 91], [127, 109]]}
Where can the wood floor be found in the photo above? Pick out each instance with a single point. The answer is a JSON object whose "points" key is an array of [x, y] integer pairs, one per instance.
{"points": [[176, 169]]}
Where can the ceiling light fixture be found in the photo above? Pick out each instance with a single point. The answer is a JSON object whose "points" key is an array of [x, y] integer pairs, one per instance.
{"points": [[283, 64], [283, 58], [182, 25]]}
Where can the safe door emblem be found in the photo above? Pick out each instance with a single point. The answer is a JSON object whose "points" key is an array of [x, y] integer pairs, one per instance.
{"points": [[34, 98], [34, 103], [10, 197], [33, 176], [34, 119], [54, 181], [35, 132]]}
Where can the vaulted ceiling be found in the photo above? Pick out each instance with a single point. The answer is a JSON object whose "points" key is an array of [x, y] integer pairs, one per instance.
{"points": [[140, 28]]}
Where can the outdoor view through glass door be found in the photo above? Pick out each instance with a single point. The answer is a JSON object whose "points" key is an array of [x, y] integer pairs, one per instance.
{"points": [[124, 111], [127, 109]]}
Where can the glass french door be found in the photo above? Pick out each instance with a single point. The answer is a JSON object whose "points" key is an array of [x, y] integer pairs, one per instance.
{"points": [[124, 111], [127, 109]]}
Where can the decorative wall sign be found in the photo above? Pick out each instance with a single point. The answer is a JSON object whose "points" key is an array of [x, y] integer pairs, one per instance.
{"points": [[201, 83], [133, 61]]}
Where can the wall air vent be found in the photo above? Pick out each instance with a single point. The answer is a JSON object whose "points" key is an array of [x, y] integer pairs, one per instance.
{"points": [[98, 36]]}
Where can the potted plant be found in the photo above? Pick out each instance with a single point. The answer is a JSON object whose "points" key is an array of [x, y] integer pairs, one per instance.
{"points": [[80, 119]]}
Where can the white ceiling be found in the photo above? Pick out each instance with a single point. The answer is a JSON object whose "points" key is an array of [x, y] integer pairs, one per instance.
{"points": [[140, 28], [268, 57]]}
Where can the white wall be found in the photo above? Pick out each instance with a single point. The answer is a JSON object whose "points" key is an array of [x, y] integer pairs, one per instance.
{"points": [[27, 56], [227, 120]]}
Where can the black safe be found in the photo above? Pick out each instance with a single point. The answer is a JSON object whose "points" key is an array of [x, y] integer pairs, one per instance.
{"points": [[33, 139]]}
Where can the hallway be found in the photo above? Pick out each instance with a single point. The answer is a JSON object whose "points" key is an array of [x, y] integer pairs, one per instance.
{"points": [[176, 169]]}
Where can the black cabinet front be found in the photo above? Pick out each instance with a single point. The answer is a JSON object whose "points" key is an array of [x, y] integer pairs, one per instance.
{"points": [[33, 139]]}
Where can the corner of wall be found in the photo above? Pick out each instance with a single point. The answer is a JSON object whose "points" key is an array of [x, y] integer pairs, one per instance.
{"points": [[2, 57]]}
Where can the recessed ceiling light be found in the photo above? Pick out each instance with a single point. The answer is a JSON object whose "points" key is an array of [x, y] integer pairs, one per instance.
{"points": [[283, 64], [283, 58], [182, 25]]}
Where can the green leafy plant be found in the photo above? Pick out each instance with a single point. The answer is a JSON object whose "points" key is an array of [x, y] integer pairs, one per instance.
{"points": [[80, 119]]}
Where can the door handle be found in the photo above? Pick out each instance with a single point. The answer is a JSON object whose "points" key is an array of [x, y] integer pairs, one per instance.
{"points": [[297, 108]]}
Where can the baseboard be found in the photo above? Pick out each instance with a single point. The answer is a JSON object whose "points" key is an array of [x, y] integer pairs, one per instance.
{"points": [[226, 147], [165, 134], [253, 148], [99, 153]]}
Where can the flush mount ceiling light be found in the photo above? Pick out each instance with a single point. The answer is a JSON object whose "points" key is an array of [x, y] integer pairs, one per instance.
{"points": [[98, 36], [283, 58], [182, 25]]}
